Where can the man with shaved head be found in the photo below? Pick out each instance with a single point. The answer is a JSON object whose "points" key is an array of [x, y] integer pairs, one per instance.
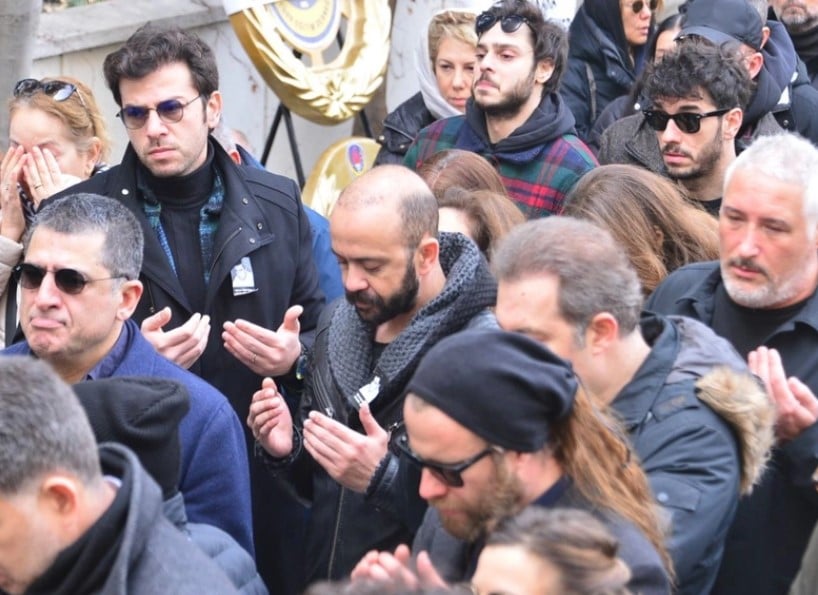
{"points": [[405, 288]]}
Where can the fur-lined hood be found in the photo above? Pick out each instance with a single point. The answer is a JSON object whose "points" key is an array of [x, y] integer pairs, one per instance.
{"points": [[726, 385]]}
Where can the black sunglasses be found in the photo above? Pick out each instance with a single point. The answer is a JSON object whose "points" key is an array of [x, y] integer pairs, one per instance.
{"points": [[172, 110], [57, 90], [30, 276], [509, 24], [637, 6], [687, 122], [448, 473]]}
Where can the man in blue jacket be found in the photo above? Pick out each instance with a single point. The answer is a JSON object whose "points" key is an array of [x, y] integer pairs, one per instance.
{"points": [[79, 286]]}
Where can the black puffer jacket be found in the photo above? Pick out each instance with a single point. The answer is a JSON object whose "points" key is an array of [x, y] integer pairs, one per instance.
{"points": [[599, 69], [401, 127]]}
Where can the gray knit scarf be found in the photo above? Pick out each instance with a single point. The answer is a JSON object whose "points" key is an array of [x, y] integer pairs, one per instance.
{"points": [[469, 290]]}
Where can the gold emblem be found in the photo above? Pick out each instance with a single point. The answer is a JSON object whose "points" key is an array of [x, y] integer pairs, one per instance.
{"points": [[325, 91]]}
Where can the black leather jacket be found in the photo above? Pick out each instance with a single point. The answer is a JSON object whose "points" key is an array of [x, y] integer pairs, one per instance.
{"points": [[401, 127]]}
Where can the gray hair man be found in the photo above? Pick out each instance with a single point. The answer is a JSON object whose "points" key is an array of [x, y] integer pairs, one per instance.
{"points": [[761, 296], [67, 528]]}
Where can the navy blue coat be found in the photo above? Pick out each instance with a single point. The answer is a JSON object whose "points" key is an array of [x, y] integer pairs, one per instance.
{"points": [[214, 475]]}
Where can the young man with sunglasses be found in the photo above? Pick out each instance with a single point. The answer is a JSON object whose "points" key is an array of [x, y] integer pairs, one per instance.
{"points": [[496, 422], [515, 118], [78, 289], [762, 296], [224, 245], [781, 99], [696, 96]]}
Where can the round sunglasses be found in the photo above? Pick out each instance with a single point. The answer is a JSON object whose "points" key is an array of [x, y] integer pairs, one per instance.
{"points": [[171, 111], [637, 6]]}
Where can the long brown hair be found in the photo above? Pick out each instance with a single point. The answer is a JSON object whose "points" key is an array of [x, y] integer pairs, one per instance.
{"points": [[648, 216], [491, 215], [455, 167], [593, 450]]}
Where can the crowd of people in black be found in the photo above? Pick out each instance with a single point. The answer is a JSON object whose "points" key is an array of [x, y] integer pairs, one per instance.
{"points": [[559, 340]]}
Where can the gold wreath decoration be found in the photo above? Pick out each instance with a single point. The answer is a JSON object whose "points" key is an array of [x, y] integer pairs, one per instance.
{"points": [[325, 93]]}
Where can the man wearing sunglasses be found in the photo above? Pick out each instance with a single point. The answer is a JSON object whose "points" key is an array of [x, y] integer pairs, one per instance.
{"points": [[696, 96], [78, 289], [781, 98], [583, 300], [224, 245], [495, 422], [762, 296], [516, 118]]}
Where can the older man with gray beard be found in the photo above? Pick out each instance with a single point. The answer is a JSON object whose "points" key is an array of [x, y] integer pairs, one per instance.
{"points": [[761, 296]]}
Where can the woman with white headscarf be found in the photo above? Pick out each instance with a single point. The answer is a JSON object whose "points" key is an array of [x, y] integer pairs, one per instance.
{"points": [[445, 65]]}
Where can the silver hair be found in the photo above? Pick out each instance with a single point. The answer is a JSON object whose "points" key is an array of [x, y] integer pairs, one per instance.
{"points": [[785, 157], [43, 427], [91, 213]]}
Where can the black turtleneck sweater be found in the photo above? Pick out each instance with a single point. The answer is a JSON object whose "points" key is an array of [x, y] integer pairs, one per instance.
{"points": [[182, 199]]}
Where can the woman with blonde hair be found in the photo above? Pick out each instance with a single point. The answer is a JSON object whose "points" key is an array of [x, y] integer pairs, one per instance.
{"points": [[648, 215], [445, 66], [57, 137]]}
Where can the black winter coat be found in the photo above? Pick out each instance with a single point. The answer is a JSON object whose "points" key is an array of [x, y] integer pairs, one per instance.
{"points": [[773, 525]]}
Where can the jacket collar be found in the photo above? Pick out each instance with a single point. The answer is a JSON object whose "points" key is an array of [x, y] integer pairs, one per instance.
{"points": [[243, 226]]}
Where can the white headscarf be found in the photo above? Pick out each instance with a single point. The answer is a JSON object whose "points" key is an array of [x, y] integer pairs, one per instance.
{"points": [[434, 101]]}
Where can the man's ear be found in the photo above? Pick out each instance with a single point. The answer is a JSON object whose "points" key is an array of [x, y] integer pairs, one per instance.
{"points": [[427, 254], [765, 35], [601, 332], [59, 495], [213, 110], [543, 71], [130, 292], [755, 62], [732, 123]]}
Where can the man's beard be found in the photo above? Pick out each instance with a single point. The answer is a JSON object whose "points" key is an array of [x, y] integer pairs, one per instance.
{"points": [[509, 106], [770, 294], [502, 498], [799, 21], [708, 159], [398, 303]]}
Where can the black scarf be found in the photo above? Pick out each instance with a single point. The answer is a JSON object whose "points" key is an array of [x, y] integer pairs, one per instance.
{"points": [[82, 567], [806, 44]]}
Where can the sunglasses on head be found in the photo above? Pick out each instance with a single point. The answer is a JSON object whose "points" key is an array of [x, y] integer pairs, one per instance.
{"points": [[30, 276], [509, 24], [171, 110], [688, 122], [637, 6], [448, 473], [57, 90]]}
